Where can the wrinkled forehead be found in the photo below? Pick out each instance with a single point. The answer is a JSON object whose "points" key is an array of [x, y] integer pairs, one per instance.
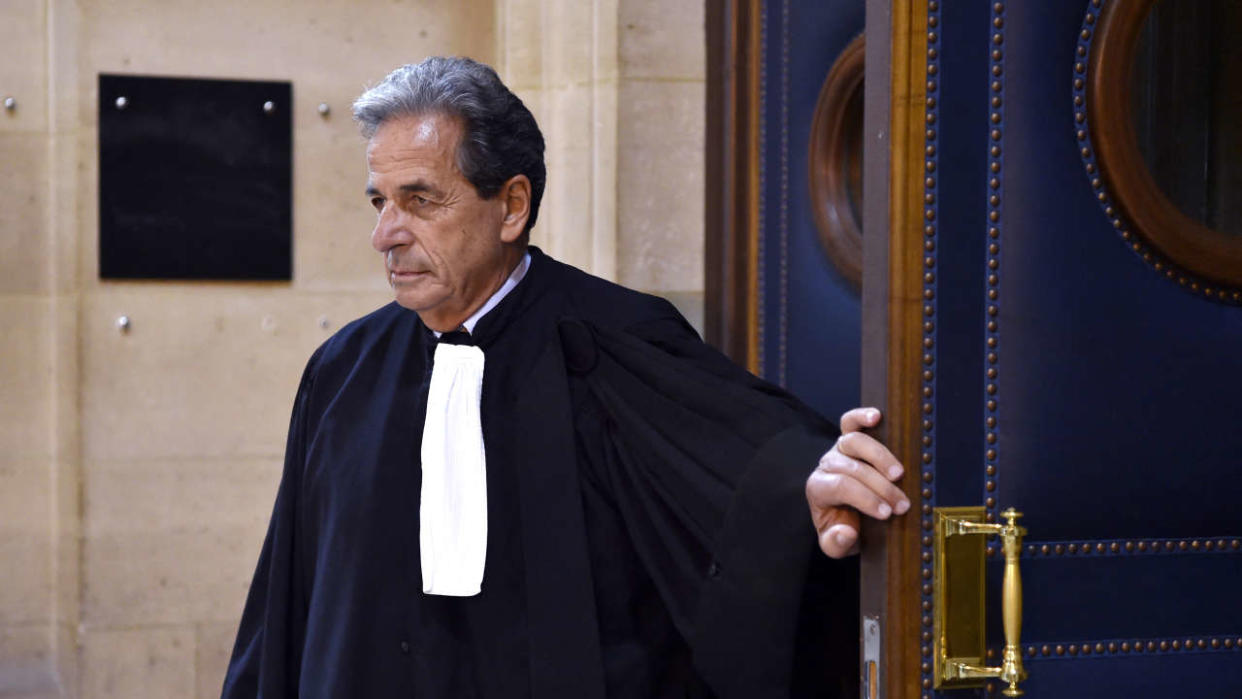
{"points": [[407, 134]]}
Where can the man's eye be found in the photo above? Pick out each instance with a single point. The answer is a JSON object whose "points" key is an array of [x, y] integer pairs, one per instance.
{"points": [[377, 202], [421, 200]]}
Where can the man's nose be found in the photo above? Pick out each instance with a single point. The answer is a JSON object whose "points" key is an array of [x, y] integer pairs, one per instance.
{"points": [[390, 229]]}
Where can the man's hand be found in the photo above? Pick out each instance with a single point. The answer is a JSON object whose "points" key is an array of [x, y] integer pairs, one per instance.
{"points": [[856, 475]]}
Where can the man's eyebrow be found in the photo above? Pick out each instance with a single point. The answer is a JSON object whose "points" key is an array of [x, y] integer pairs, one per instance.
{"points": [[415, 187]]}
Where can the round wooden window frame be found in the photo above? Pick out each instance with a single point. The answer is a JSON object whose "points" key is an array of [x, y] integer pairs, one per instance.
{"points": [[839, 232], [1188, 243]]}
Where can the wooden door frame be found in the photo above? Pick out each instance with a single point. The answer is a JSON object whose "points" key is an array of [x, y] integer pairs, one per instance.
{"points": [[731, 183], [893, 305], [892, 290]]}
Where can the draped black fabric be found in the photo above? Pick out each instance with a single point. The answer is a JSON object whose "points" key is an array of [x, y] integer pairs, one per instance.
{"points": [[648, 534]]}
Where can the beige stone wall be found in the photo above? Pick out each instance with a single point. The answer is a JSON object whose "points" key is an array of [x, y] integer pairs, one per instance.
{"points": [[137, 469], [618, 88]]}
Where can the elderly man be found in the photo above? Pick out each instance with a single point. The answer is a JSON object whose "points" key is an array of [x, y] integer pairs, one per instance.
{"points": [[519, 480]]}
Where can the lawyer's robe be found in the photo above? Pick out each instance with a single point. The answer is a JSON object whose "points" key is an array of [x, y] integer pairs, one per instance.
{"points": [[648, 534]]}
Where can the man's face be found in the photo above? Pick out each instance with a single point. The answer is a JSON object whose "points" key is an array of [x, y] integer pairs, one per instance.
{"points": [[445, 249]]}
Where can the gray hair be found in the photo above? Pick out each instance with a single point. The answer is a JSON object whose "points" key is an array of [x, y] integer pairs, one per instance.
{"points": [[501, 138]]}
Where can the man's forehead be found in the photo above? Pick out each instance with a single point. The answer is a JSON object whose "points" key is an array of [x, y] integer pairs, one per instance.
{"points": [[415, 131]]}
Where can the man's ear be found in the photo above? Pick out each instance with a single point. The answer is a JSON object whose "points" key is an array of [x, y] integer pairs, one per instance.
{"points": [[515, 194]]}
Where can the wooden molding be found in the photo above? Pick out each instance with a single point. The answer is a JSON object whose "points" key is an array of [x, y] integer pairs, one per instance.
{"points": [[832, 129], [731, 313], [1188, 243]]}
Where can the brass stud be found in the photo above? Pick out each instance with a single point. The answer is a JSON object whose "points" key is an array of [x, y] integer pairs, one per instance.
{"points": [[1044, 549], [1086, 649], [1091, 18], [1181, 546], [931, 36], [1164, 645], [1235, 544], [1209, 545], [1099, 548], [932, 21], [991, 405], [991, 388], [929, 229], [994, 183], [926, 557], [1201, 643], [998, 22], [1082, 135], [1151, 646], [995, 151], [931, 69], [1078, 100], [1082, 50], [1072, 548], [1228, 643], [927, 359], [1080, 117], [1090, 169], [927, 524], [994, 216], [1168, 545], [992, 294], [927, 477], [1031, 651], [1085, 35], [1060, 650], [1099, 648], [1059, 549], [931, 134], [927, 621], [996, 118], [929, 245], [991, 438], [998, 39], [1079, 67], [931, 85], [991, 469], [1215, 643], [1125, 647], [1112, 647], [927, 424], [927, 541], [932, 53], [926, 668], [1130, 546], [1176, 645], [994, 200], [1114, 547], [996, 134], [994, 167], [990, 422], [928, 310], [927, 653], [1046, 651], [927, 493], [1073, 649], [991, 502], [991, 343], [1195, 545], [1078, 83], [991, 454], [992, 310], [991, 486], [927, 374]]}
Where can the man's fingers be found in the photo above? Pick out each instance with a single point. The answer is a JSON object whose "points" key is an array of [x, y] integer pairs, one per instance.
{"points": [[837, 462], [838, 531], [859, 418], [826, 489], [864, 447]]}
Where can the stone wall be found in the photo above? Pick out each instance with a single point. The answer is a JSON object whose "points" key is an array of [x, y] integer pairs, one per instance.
{"points": [[137, 469]]}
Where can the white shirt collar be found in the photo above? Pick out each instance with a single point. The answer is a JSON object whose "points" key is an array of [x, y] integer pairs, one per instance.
{"points": [[514, 277]]}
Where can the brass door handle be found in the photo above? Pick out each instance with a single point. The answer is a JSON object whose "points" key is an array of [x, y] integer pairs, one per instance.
{"points": [[959, 595]]}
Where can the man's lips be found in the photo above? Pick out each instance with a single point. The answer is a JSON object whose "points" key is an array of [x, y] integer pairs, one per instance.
{"points": [[398, 276]]}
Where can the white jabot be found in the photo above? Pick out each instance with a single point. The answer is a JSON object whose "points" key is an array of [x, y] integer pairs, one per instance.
{"points": [[453, 507]]}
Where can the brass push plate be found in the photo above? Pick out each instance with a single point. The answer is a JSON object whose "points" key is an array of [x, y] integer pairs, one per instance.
{"points": [[958, 596]]}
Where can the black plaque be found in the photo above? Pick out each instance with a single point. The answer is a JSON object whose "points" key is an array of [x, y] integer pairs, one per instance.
{"points": [[195, 178]]}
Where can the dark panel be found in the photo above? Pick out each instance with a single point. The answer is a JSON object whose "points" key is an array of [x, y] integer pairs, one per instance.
{"points": [[1070, 599], [1125, 676], [960, 156], [809, 315], [1120, 393], [194, 178]]}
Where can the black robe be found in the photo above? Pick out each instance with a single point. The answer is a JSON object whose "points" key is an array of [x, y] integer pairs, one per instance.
{"points": [[647, 530]]}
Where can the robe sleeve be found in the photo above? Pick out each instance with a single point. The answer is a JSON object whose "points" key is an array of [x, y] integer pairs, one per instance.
{"points": [[707, 465], [267, 655]]}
